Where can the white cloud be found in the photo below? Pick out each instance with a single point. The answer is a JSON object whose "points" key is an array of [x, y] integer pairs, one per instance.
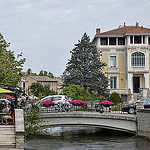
{"points": [[46, 30]]}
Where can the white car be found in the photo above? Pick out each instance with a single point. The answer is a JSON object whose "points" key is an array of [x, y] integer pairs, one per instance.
{"points": [[4, 101], [61, 100], [57, 99]]}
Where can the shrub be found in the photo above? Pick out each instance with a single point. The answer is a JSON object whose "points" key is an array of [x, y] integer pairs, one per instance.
{"points": [[33, 122], [114, 97]]}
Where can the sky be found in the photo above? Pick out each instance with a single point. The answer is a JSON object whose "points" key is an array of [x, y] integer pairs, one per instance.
{"points": [[45, 31]]}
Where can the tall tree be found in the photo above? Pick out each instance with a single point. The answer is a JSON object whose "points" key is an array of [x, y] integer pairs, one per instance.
{"points": [[10, 67], [45, 73], [50, 75], [85, 67], [29, 71], [41, 73]]}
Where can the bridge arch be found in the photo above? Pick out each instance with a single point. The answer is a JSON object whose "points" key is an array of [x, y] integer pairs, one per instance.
{"points": [[125, 123]]}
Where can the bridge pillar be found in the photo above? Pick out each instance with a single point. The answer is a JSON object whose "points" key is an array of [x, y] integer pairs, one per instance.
{"points": [[143, 121], [19, 128]]}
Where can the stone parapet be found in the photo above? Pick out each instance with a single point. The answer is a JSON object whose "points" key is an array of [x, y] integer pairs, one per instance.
{"points": [[19, 128], [143, 123]]}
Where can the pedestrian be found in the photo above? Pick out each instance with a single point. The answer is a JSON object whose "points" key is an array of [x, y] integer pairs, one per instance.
{"points": [[109, 108], [10, 113]]}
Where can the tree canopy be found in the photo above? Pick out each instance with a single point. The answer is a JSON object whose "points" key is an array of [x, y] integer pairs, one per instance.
{"points": [[85, 67], [10, 67], [75, 92], [37, 89], [45, 73], [41, 73]]}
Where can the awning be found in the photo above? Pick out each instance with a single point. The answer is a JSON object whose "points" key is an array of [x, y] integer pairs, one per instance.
{"points": [[9, 96], [5, 91]]}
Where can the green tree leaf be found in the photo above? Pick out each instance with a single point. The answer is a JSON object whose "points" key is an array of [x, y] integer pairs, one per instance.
{"points": [[85, 68]]}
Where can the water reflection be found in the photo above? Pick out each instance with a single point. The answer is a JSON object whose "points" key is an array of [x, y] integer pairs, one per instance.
{"points": [[86, 138]]}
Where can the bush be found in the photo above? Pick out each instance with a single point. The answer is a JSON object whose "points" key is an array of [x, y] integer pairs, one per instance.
{"points": [[115, 98], [116, 108], [33, 122]]}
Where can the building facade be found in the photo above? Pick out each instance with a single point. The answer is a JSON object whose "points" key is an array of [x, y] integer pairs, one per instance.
{"points": [[26, 82], [125, 50]]}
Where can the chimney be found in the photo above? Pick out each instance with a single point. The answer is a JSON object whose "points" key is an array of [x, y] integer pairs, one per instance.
{"points": [[98, 31], [137, 24]]}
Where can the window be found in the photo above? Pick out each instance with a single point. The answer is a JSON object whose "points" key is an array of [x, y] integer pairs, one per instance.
{"points": [[58, 98], [52, 83], [143, 39], [137, 40], [113, 82], [131, 39], [24, 84], [137, 59], [112, 61], [149, 40], [112, 41], [121, 41], [47, 83], [104, 41]]}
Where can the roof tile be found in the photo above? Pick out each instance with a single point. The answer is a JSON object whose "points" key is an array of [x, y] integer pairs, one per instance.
{"points": [[126, 29]]}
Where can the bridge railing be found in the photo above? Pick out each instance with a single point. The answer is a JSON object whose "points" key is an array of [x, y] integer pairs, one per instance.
{"points": [[89, 108]]}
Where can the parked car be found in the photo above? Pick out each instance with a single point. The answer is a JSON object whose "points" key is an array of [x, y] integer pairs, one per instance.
{"points": [[130, 108], [61, 100], [4, 101]]}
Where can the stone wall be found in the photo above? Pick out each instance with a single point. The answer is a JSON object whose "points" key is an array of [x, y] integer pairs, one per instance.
{"points": [[19, 128], [143, 122]]}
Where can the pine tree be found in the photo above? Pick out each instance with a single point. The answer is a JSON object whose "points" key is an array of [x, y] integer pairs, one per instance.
{"points": [[85, 67]]}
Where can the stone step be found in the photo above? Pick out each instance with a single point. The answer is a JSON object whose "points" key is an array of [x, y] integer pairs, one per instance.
{"points": [[7, 144], [7, 136], [9, 129]]}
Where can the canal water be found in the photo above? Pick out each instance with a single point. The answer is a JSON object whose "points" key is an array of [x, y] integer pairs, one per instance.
{"points": [[86, 138]]}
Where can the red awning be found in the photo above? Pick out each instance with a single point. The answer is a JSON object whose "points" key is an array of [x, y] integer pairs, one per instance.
{"points": [[9, 96]]}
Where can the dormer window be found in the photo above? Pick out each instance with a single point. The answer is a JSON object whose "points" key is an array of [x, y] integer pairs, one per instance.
{"points": [[137, 59]]}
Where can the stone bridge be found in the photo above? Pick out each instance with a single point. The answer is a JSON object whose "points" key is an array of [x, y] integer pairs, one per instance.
{"points": [[124, 122]]}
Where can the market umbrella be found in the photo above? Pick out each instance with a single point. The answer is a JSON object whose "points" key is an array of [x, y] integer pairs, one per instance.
{"points": [[9, 97], [107, 103], [5, 91]]}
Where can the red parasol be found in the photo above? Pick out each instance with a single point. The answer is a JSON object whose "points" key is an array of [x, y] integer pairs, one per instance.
{"points": [[108, 103]]}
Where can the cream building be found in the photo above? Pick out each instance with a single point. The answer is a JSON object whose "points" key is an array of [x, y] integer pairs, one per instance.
{"points": [[126, 51], [26, 82]]}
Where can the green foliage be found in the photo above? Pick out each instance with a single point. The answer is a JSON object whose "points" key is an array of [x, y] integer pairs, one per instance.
{"points": [[36, 88], [85, 68], [114, 97], [33, 122], [102, 98], [29, 73], [45, 73], [10, 67], [76, 92], [39, 90], [116, 108]]}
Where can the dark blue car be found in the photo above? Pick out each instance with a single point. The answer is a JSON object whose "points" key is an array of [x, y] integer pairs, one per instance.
{"points": [[130, 108]]}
